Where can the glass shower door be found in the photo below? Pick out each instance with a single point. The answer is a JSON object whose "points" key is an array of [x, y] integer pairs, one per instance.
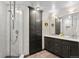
{"points": [[15, 31]]}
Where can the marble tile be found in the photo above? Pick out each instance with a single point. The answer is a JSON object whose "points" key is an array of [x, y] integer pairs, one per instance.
{"points": [[43, 54]]}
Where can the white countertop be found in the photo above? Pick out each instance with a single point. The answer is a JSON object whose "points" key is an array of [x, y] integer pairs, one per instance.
{"points": [[63, 37]]}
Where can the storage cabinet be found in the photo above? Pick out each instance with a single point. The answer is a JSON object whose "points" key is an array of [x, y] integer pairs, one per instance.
{"points": [[35, 30], [53, 45], [63, 48]]}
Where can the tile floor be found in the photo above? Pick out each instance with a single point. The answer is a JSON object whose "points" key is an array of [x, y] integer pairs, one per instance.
{"points": [[43, 54]]}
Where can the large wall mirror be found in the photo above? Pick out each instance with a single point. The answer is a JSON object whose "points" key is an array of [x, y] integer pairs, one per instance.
{"points": [[69, 25]]}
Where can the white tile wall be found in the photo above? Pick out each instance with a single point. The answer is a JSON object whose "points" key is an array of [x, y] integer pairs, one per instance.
{"points": [[49, 30], [3, 32]]}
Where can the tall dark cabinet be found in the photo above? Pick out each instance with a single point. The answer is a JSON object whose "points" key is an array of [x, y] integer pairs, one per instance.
{"points": [[35, 30]]}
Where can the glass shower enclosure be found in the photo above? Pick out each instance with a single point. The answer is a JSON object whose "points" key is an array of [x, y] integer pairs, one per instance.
{"points": [[15, 46]]}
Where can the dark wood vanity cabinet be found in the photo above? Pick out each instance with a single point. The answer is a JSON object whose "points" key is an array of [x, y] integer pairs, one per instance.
{"points": [[63, 48], [53, 45]]}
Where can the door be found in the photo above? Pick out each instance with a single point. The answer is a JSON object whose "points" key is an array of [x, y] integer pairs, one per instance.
{"points": [[16, 31], [35, 33]]}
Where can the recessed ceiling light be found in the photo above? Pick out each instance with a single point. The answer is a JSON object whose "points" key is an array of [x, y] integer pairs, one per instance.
{"points": [[34, 11], [37, 8], [19, 12], [53, 8], [71, 10]]}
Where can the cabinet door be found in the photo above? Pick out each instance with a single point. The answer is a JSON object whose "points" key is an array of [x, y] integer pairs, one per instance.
{"points": [[74, 49], [78, 49], [57, 47], [52, 45], [65, 49], [49, 44]]}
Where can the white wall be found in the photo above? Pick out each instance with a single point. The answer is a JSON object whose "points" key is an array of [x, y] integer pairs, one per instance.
{"points": [[3, 30], [26, 32], [47, 30]]}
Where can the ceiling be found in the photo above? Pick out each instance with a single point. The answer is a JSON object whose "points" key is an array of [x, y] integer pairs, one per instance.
{"points": [[59, 7]]}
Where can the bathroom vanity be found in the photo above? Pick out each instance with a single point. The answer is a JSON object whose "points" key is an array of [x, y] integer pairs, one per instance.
{"points": [[62, 46]]}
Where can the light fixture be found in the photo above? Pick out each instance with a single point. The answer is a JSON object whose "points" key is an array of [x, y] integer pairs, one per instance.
{"points": [[71, 10], [34, 11], [19, 12], [37, 8], [54, 11], [53, 14], [68, 21], [69, 17], [53, 8]]}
